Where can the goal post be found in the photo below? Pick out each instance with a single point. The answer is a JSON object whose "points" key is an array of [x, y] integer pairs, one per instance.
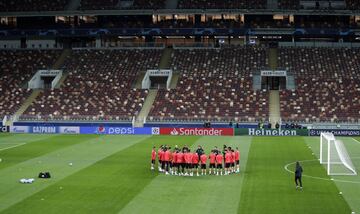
{"points": [[335, 156]]}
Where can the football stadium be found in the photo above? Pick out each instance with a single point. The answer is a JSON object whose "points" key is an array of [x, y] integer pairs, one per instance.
{"points": [[180, 106]]}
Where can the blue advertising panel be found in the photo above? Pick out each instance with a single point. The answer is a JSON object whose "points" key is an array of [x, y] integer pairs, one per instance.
{"points": [[336, 132], [116, 130]]}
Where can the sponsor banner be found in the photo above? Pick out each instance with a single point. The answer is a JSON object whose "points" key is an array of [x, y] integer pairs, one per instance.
{"points": [[116, 130], [69, 130], [336, 132], [44, 129], [271, 132], [19, 129], [197, 131], [4, 129]]}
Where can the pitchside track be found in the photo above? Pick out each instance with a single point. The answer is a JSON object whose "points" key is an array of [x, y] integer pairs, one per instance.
{"points": [[111, 174]]}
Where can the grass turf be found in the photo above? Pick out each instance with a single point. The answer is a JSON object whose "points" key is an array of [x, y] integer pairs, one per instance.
{"points": [[111, 175]]}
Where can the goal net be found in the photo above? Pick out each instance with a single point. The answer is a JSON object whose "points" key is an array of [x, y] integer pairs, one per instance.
{"points": [[335, 156]]}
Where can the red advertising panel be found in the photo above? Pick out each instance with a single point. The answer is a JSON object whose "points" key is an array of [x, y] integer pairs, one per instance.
{"points": [[197, 131]]}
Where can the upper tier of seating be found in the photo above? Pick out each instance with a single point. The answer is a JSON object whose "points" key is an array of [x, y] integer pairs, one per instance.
{"points": [[327, 84], [32, 5], [116, 4], [295, 4], [214, 84], [98, 84], [16, 68], [225, 4]]}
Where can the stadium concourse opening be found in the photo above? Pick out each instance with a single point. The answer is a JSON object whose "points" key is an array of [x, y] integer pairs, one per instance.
{"points": [[273, 80]]}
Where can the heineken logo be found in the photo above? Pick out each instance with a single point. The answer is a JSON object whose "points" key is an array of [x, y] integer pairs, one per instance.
{"points": [[271, 132]]}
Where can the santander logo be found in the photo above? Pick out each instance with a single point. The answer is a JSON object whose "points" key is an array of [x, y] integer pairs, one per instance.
{"points": [[174, 132]]}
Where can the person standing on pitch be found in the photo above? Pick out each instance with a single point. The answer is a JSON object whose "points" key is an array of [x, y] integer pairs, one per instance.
{"points": [[298, 174]]}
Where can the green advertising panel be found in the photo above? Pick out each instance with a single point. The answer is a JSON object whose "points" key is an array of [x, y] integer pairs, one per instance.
{"points": [[271, 132]]}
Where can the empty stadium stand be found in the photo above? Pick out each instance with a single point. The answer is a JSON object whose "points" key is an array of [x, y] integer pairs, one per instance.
{"points": [[98, 86], [327, 84], [16, 68], [32, 5], [214, 85]]}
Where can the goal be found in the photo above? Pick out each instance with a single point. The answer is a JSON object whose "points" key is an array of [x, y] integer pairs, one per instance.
{"points": [[335, 156]]}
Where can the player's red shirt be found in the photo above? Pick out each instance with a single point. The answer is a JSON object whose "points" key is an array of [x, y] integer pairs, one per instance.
{"points": [[188, 157], [195, 158], [237, 155], [153, 154], [212, 157], [232, 157], [228, 157], [174, 157], [180, 157], [219, 158], [171, 156], [166, 155], [203, 158], [161, 155]]}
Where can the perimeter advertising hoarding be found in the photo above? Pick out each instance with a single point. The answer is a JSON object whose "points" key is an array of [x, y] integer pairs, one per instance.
{"points": [[336, 132], [117, 130], [272, 132], [4, 129], [197, 131]]}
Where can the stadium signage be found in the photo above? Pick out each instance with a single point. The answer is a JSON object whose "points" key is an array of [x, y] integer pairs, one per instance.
{"points": [[19, 129], [4, 129], [197, 131], [271, 132], [336, 132], [115, 130], [69, 130], [273, 73], [44, 129]]}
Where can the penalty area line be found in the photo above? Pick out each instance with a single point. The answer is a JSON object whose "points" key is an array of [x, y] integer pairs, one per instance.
{"points": [[20, 144]]}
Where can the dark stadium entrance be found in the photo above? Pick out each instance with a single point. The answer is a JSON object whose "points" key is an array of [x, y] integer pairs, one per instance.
{"points": [[273, 79], [157, 82], [47, 81], [273, 83]]}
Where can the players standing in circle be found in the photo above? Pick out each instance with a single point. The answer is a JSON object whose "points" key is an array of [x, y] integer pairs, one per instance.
{"points": [[298, 175], [237, 159], [212, 167], [153, 157], [203, 159], [219, 160]]}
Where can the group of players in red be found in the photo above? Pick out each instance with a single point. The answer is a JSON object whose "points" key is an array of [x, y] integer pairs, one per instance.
{"points": [[183, 162]]}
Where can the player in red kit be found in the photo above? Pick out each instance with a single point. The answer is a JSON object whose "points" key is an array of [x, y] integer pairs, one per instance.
{"points": [[153, 157], [159, 158], [203, 159], [219, 159], [188, 162], [174, 163], [195, 164], [212, 166], [237, 159], [180, 162], [228, 158], [166, 160], [232, 161]]}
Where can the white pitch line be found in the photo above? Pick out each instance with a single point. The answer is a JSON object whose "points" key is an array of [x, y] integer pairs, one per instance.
{"points": [[355, 140], [20, 144], [319, 178]]}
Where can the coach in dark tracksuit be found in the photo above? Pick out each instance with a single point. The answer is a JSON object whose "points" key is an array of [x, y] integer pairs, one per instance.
{"points": [[298, 174]]}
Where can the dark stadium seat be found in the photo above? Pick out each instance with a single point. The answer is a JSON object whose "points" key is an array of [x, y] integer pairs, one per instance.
{"points": [[32, 5], [225, 4]]}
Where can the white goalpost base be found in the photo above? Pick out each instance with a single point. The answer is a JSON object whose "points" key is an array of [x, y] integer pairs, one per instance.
{"points": [[335, 156]]}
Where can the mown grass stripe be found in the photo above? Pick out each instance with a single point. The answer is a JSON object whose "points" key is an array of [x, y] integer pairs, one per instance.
{"points": [[268, 188], [35, 146], [104, 187], [82, 155], [204, 194]]}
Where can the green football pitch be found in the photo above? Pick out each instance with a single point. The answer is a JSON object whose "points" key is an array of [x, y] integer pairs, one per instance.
{"points": [[111, 174]]}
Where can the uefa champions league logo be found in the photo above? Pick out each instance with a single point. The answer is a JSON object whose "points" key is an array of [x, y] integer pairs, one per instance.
{"points": [[174, 132]]}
